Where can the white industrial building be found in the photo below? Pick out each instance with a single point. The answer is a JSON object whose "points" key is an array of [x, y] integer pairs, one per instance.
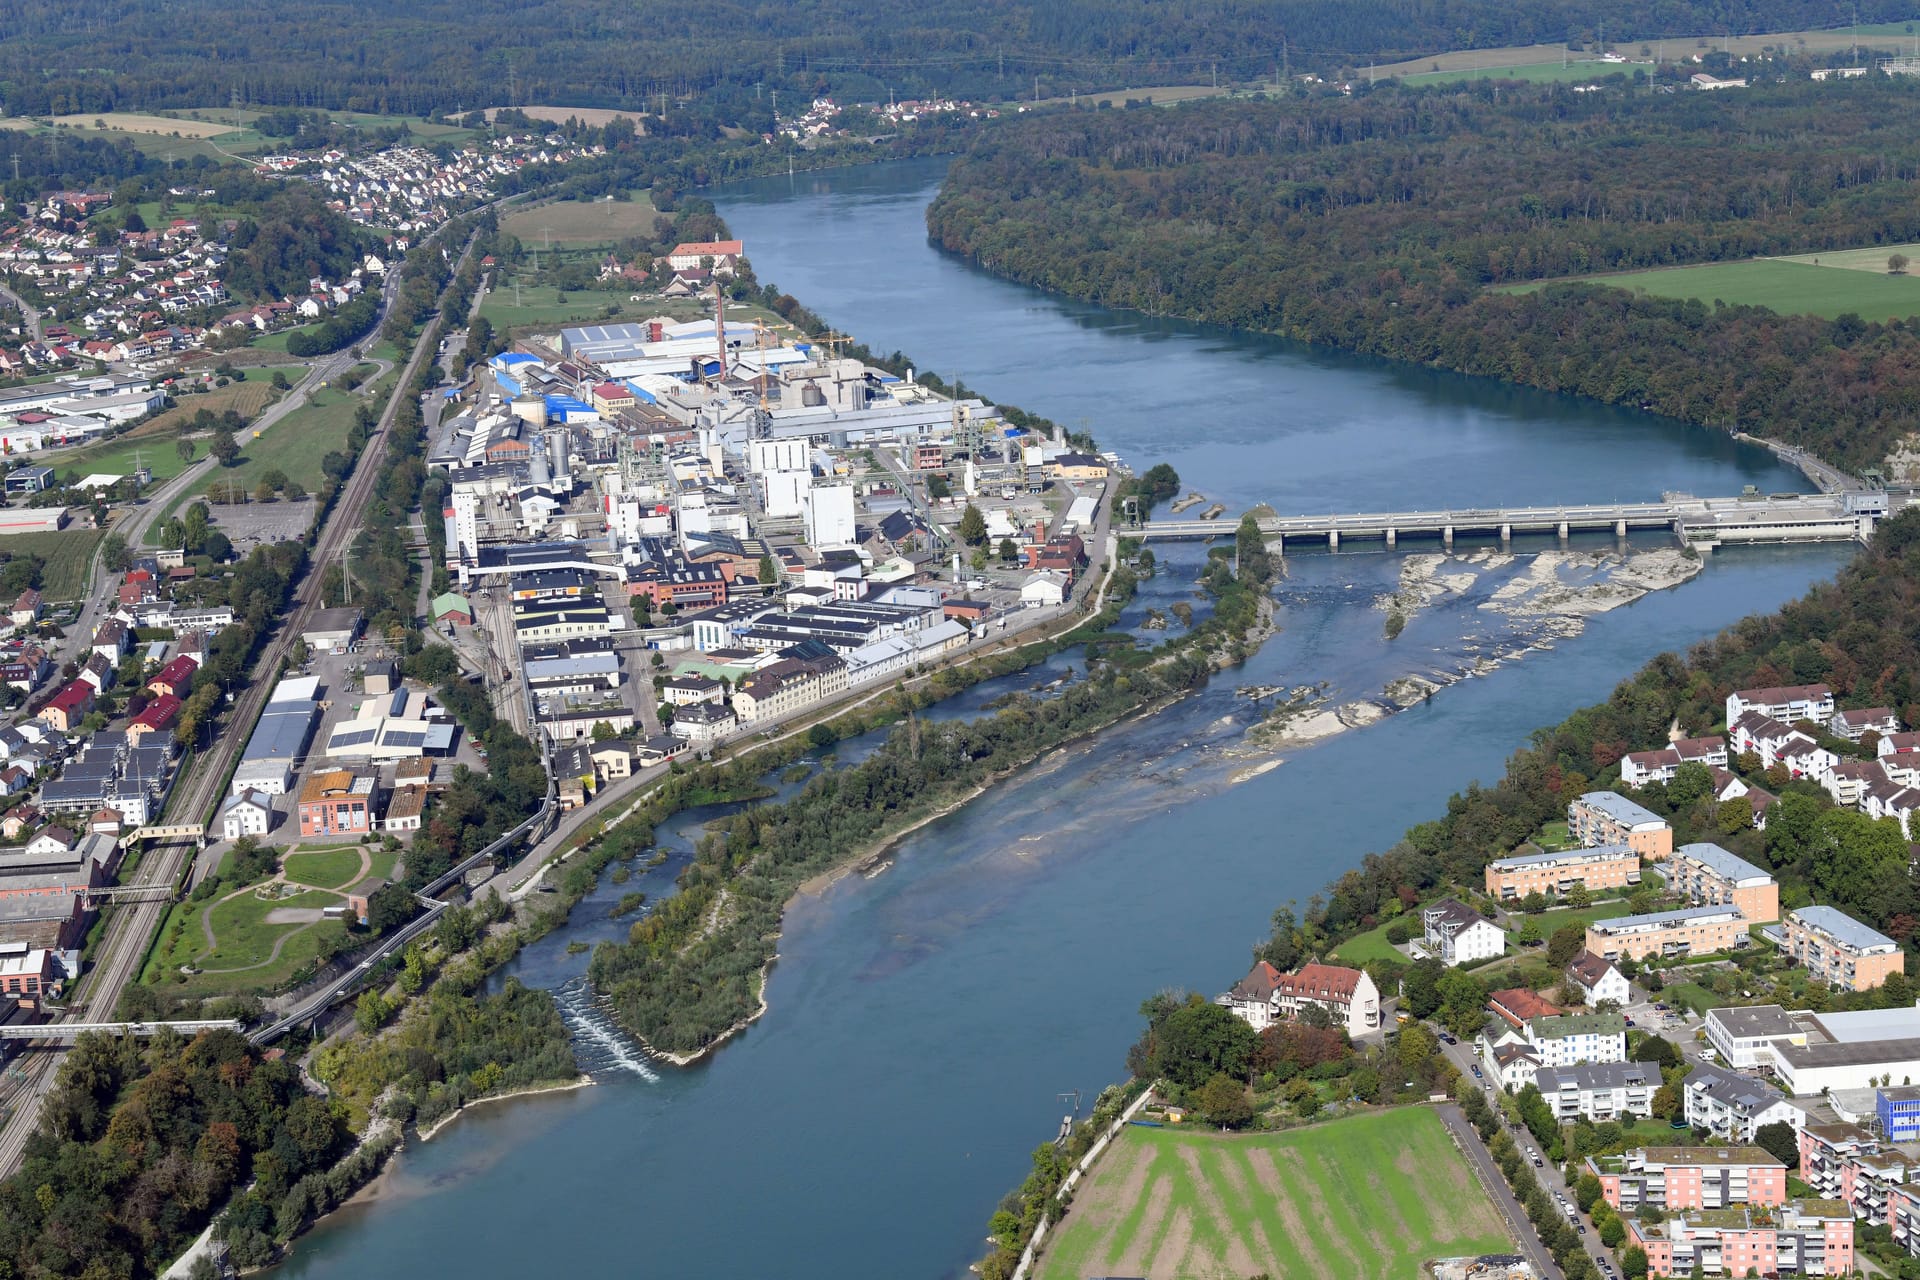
{"points": [[280, 739], [830, 516], [1811, 1053]]}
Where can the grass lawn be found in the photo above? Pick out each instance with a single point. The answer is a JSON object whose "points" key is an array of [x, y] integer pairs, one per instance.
{"points": [[1872, 258], [324, 868], [244, 958], [1554, 836], [573, 223], [1549, 921], [1370, 1195], [1538, 72], [67, 553], [1789, 286], [297, 442], [278, 341], [540, 304], [1371, 945]]}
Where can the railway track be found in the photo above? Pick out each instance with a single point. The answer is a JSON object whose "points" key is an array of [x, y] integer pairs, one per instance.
{"points": [[130, 929]]}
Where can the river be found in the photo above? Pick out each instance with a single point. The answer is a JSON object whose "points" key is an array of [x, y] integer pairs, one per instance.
{"points": [[925, 1021]]}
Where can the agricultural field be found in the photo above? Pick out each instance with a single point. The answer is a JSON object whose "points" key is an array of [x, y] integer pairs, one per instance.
{"points": [[1885, 36], [540, 304], [595, 116], [1787, 285], [1553, 72], [575, 224], [1370, 1195], [68, 555]]}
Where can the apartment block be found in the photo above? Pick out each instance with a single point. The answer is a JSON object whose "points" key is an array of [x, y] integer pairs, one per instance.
{"points": [[1839, 950], [1800, 1238], [1844, 1162], [1599, 1090], [1707, 875], [1614, 866], [1676, 1178], [1456, 933], [1688, 931], [1604, 817]]}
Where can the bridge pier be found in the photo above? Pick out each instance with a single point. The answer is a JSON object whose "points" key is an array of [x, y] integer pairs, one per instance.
{"points": [[1563, 531], [1446, 536], [1333, 539], [1390, 535], [1506, 534], [1620, 528]]}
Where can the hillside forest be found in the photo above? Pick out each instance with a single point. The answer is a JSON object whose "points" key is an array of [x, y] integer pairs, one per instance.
{"points": [[414, 57], [1384, 223]]}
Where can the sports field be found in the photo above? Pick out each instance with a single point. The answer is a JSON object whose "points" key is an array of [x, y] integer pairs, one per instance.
{"points": [[573, 223], [1370, 1195], [1791, 286]]}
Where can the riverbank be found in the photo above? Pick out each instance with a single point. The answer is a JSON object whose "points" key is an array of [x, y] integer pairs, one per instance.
{"points": [[428, 1134]]}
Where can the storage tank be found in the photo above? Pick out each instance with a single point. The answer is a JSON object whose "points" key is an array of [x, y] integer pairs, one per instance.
{"points": [[531, 410]]}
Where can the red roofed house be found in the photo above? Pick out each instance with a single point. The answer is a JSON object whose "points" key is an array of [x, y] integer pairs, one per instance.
{"points": [[610, 396], [720, 254], [68, 707], [1266, 996], [157, 717], [175, 678], [1517, 1006]]}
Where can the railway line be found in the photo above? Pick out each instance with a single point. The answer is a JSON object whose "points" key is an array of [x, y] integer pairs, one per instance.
{"points": [[129, 930]]}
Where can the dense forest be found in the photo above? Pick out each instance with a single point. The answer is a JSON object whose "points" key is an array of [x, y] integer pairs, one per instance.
{"points": [[140, 1143], [1375, 223], [1860, 634], [416, 56]]}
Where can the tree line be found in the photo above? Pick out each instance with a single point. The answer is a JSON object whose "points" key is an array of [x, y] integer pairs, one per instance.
{"points": [[1376, 224], [413, 57]]}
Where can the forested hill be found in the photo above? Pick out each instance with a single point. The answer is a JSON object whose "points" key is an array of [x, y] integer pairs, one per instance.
{"points": [[413, 56], [1375, 223]]}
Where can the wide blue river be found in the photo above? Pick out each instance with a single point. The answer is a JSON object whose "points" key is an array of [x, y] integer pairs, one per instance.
{"points": [[925, 1021]]}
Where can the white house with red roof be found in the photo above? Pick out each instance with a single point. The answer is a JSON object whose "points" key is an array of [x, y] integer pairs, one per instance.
{"points": [[1266, 996]]}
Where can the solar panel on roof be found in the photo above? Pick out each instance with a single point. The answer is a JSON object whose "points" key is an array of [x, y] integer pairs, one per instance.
{"points": [[353, 737], [405, 738]]}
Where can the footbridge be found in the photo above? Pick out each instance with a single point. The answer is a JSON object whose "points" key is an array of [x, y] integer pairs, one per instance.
{"points": [[69, 1030], [1700, 522], [180, 831], [129, 893]]}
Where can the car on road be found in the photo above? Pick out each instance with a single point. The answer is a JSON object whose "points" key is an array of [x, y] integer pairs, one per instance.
{"points": [[1447, 1037], [1476, 1072]]}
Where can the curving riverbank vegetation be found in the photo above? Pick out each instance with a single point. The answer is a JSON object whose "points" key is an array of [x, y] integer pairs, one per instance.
{"points": [[1374, 223], [692, 972]]}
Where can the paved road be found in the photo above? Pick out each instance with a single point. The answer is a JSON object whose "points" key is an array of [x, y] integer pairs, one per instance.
{"points": [[27, 313], [129, 929], [1468, 1139]]}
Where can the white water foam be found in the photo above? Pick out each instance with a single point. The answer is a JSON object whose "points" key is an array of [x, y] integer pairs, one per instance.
{"points": [[600, 1044]]}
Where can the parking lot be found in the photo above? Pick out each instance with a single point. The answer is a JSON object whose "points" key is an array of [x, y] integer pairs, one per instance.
{"points": [[252, 524]]}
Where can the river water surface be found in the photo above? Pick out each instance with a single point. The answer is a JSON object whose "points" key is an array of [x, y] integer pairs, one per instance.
{"points": [[925, 1021]]}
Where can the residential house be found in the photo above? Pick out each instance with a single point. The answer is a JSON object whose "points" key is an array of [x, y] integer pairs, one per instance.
{"points": [[26, 610], [1598, 980], [1640, 768], [1457, 934], [68, 707], [176, 678], [406, 809], [1732, 1105], [1573, 1038], [248, 814], [704, 722], [157, 716], [1518, 1006]]}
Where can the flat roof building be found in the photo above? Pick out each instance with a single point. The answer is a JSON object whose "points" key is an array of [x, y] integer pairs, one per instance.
{"points": [[1677, 1178], [1687, 931], [1613, 866], [1605, 817], [1707, 875], [1840, 951]]}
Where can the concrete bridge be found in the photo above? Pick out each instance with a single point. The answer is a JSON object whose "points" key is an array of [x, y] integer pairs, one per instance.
{"points": [[69, 1030], [129, 893], [1700, 522]]}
